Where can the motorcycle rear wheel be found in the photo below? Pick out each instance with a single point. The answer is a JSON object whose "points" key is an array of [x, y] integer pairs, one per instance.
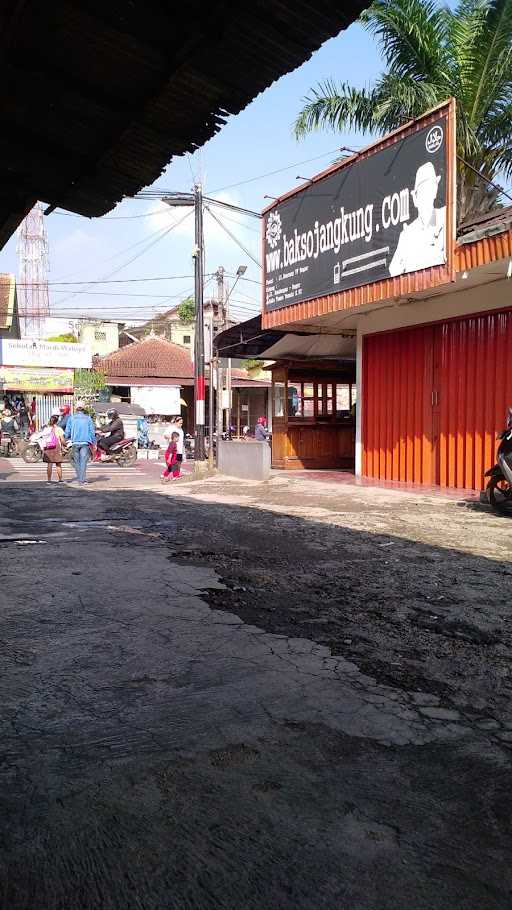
{"points": [[128, 458], [32, 454], [499, 492]]}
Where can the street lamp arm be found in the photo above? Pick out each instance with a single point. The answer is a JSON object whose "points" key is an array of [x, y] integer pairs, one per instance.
{"points": [[229, 205]]}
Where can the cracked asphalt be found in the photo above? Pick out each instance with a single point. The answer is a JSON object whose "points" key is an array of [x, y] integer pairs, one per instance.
{"points": [[227, 695]]}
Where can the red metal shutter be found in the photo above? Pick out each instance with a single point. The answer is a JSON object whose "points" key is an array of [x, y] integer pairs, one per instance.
{"points": [[434, 399], [474, 390], [397, 406]]}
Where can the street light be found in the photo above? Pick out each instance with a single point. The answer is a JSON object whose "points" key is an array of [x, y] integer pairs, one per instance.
{"points": [[195, 199]]}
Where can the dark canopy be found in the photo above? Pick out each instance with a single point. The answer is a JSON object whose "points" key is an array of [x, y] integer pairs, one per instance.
{"points": [[246, 339], [98, 96]]}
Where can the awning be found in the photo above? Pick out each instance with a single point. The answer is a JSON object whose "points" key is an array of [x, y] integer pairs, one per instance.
{"points": [[312, 347], [248, 339]]}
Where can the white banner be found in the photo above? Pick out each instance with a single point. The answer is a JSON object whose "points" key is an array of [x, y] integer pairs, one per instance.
{"points": [[157, 399], [35, 352]]}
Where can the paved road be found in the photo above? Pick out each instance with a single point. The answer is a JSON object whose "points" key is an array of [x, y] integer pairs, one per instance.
{"points": [[142, 474], [162, 750]]}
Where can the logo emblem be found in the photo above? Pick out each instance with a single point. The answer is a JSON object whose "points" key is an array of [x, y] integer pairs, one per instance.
{"points": [[274, 230], [434, 140]]}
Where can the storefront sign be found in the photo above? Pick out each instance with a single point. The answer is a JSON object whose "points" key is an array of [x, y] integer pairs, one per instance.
{"points": [[22, 379], [34, 352], [158, 399], [378, 216]]}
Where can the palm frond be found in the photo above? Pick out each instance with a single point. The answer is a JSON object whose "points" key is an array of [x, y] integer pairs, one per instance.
{"points": [[335, 107], [411, 35]]}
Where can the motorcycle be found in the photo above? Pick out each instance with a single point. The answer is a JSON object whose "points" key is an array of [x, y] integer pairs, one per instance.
{"points": [[33, 452], [9, 445], [499, 487], [123, 453]]}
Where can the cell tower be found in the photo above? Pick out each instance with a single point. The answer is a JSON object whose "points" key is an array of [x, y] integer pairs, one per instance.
{"points": [[32, 250]]}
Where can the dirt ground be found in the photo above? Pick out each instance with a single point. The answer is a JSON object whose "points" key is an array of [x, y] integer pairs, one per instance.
{"points": [[222, 695], [415, 588]]}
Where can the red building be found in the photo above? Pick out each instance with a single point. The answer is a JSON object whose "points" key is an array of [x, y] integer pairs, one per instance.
{"points": [[428, 307]]}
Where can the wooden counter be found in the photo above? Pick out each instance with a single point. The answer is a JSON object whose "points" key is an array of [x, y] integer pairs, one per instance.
{"points": [[313, 445]]}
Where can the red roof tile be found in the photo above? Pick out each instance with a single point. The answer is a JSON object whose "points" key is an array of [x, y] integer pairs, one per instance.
{"points": [[151, 357]]}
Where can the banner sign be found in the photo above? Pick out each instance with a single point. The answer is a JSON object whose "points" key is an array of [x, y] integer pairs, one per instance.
{"points": [[377, 217], [21, 379], [35, 352], [160, 399]]}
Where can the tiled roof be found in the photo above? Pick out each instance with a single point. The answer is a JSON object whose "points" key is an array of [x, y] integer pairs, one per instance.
{"points": [[7, 297], [156, 361], [151, 357]]}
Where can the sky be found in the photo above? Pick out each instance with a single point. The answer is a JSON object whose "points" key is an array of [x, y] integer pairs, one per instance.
{"points": [[119, 247]]}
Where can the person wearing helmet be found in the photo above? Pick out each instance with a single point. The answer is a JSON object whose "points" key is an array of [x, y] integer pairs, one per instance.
{"points": [[112, 432], [64, 414], [9, 423]]}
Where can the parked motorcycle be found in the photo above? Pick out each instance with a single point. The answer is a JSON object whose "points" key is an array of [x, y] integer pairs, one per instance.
{"points": [[123, 453], [33, 452], [8, 445], [499, 487]]}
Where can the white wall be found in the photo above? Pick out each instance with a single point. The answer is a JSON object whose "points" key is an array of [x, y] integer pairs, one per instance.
{"points": [[87, 333]]}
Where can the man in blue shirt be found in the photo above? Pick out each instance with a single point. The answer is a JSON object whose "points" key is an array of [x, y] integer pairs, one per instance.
{"points": [[80, 431]]}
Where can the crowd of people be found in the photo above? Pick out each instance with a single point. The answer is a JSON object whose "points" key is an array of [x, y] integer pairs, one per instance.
{"points": [[16, 417], [74, 433], [77, 431]]}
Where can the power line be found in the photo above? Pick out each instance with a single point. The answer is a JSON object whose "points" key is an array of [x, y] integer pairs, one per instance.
{"points": [[111, 294], [86, 283], [235, 239], [280, 170], [157, 239]]}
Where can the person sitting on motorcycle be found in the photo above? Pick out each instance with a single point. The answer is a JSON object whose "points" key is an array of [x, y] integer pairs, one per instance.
{"points": [[114, 431], [9, 424]]}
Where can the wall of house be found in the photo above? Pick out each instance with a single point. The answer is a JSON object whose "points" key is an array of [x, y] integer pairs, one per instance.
{"points": [[102, 337]]}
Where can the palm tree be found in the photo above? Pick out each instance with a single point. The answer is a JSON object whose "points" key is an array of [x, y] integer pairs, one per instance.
{"points": [[432, 52]]}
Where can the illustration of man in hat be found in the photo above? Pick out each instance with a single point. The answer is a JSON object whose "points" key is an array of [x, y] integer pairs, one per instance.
{"points": [[422, 242]]}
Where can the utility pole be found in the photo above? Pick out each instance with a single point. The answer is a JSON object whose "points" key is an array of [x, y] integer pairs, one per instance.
{"points": [[215, 369], [199, 382], [219, 274]]}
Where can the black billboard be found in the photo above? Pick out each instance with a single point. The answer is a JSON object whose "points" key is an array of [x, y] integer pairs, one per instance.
{"points": [[374, 218]]}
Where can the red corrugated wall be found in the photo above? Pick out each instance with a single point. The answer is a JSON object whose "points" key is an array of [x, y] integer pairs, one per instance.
{"points": [[397, 405], [434, 398]]}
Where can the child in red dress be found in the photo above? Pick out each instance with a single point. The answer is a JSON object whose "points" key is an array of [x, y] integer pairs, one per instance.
{"points": [[171, 459]]}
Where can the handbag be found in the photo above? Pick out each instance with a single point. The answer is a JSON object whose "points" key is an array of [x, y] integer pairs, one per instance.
{"points": [[50, 441]]}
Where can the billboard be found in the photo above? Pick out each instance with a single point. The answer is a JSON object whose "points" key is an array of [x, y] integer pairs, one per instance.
{"points": [[35, 352], [22, 379], [381, 215]]}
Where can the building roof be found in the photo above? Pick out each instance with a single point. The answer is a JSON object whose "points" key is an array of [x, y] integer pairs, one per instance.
{"points": [[495, 222], [169, 316], [156, 361], [98, 97], [7, 300], [151, 357]]}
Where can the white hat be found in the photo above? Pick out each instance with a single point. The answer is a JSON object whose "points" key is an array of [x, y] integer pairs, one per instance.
{"points": [[55, 412], [426, 172], [79, 405]]}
